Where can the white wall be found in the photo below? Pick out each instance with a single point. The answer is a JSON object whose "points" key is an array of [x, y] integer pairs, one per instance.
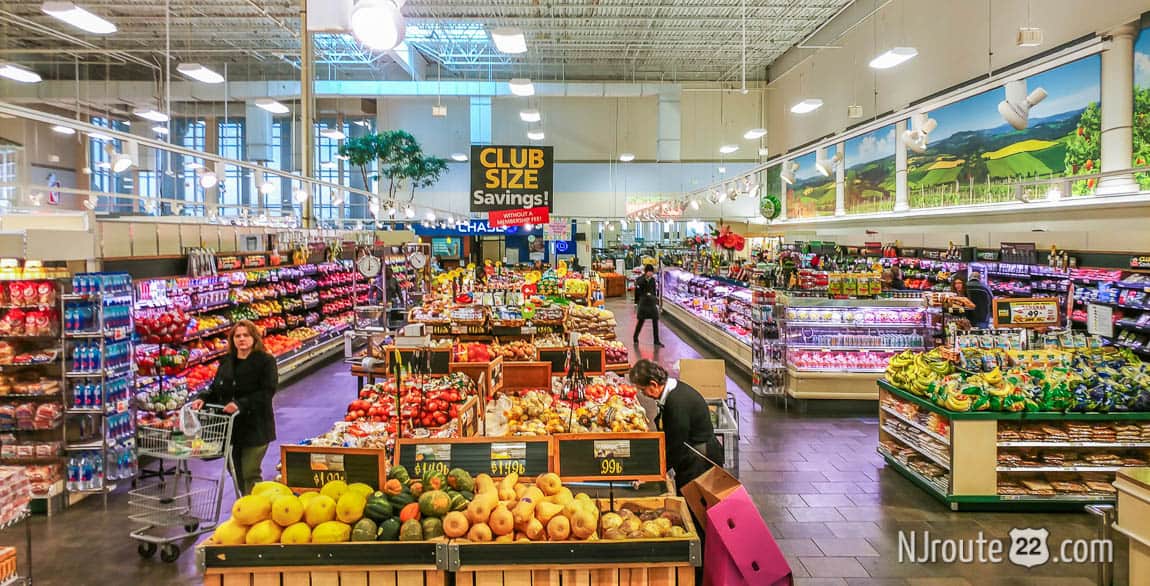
{"points": [[42, 147], [952, 40], [714, 118], [438, 136]]}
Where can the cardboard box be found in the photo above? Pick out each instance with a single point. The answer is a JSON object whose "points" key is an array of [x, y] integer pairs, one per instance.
{"points": [[708, 376], [708, 490]]}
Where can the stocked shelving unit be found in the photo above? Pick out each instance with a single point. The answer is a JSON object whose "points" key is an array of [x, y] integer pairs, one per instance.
{"points": [[837, 348], [987, 460], [99, 381], [32, 378], [717, 310], [768, 368]]}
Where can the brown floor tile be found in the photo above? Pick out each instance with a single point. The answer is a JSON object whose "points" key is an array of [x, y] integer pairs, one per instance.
{"points": [[838, 546], [827, 500], [815, 514], [834, 567], [799, 547]]}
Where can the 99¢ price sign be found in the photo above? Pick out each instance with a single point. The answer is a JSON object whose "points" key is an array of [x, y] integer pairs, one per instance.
{"points": [[618, 456]]}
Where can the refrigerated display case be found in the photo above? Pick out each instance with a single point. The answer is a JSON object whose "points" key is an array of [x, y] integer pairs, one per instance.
{"points": [[837, 348], [718, 310]]}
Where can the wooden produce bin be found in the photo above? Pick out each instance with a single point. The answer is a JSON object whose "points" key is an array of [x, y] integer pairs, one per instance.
{"points": [[518, 376], [614, 285], [663, 562], [1133, 486], [389, 563]]}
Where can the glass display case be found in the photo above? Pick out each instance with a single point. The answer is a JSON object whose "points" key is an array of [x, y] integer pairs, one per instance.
{"points": [[721, 303], [830, 344]]}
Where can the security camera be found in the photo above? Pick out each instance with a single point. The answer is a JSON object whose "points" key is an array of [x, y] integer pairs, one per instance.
{"points": [[1015, 109]]}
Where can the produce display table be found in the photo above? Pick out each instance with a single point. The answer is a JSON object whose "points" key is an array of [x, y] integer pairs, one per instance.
{"points": [[614, 284], [334, 564], [984, 460]]}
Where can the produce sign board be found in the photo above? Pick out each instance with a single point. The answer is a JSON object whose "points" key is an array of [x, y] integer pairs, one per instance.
{"points": [[437, 360], [1140, 262], [1037, 312], [311, 467], [511, 178], [582, 457], [593, 359], [497, 457]]}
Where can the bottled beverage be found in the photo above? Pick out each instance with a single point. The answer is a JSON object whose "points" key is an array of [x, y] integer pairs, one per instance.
{"points": [[86, 473], [73, 474], [98, 472]]}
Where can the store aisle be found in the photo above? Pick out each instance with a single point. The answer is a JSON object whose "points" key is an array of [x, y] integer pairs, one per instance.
{"points": [[835, 510]]}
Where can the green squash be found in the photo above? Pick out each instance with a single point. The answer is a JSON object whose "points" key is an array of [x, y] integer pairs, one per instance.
{"points": [[432, 527], [364, 530], [411, 530], [388, 530], [399, 473], [378, 507], [460, 480]]}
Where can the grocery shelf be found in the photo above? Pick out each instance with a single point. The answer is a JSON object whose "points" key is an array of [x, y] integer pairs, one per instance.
{"points": [[834, 324], [1015, 415], [1039, 444], [934, 487], [1058, 468], [1061, 498], [944, 462], [831, 348], [207, 333], [907, 420], [31, 364], [107, 372]]}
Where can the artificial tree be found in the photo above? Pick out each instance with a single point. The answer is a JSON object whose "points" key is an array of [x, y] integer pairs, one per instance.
{"points": [[400, 160]]}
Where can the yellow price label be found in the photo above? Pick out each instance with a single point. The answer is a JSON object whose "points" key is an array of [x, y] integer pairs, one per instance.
{"points": [[422, 468], [507, 467], [610, 467], [322, 478]]}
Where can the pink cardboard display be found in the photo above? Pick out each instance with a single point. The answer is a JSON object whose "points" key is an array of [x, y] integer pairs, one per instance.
{"points": [[740, 550]]}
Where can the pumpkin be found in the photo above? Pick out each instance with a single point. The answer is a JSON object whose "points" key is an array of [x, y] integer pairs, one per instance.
{"points": [[393, 487], [409, 512], [434, 503]]}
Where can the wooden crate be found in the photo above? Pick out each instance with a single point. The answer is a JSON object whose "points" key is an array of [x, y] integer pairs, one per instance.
{"points": [[488, 376], [7, 562], [526, 375], [389, 563], [663, 562]]}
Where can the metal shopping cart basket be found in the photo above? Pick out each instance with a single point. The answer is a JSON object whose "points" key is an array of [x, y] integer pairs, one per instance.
{"points": [[186, 505]]}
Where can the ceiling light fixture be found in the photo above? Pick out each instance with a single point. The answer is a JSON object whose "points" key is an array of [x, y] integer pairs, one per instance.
{"points": [[509, 40], [78, 17], [521, 86], [788, 172], [272, 106], [267, 188], [63, 130], [332, 133], [208, 180], [99, 136], [722, 170], [1015, 109], [121, 162], [151, 114], [459, 157], [536, 134], [378, 24], [627, 157], [1029, 36], [160, 129], [807, 106], [893, 57], [20, 74], [764, 151], [755, 133], [531, 115], [728, 148], [199, 73]]}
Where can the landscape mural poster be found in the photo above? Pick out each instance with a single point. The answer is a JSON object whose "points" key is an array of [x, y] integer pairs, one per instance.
{"points": [[973, 154], [1142, 106], [870, 176], [812, 194]]}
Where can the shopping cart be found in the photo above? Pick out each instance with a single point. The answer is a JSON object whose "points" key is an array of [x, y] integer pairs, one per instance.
{"points": [[184, 501]]}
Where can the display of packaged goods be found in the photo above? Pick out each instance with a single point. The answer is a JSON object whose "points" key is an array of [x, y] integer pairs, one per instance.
{"points": [[717, 302], [507, 317], [591, 320], [609, 405], [426, 402], [516, 351], [908, 316], [24, 354]]}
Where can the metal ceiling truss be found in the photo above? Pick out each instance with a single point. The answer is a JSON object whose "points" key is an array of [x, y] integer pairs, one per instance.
{"points": [[686, 40]]}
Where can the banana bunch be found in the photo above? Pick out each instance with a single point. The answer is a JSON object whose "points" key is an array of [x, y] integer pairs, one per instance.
{"points": [[958, 401]]}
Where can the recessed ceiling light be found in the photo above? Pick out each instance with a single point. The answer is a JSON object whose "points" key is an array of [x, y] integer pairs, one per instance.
{"points": [[199, 73], [728, 148], [755, 133], [530, 115], [1029, 36], [535, 134], [521, 86], [806, 106], [20, 74], [150, 114], [63, 130], [332, 133], [893, 57], [121, 163], [272, 106], [78, 17], [459, 157], [627, 157], [509, 40]]}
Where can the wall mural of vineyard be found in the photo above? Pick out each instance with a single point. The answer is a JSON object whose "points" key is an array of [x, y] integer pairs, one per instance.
{"points": [[973, 155], [1142, 106], [870, 175], [812, 194]]}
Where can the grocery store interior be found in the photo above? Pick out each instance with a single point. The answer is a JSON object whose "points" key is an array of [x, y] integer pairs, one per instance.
{"points": [[591, 292]]}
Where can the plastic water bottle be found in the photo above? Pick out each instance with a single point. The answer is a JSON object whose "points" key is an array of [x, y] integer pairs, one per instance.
{"points": [[73, 474], [98, 471], [86, 474]]}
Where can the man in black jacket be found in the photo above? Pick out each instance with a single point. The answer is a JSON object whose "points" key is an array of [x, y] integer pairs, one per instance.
{"points": [[684, 419], [647, 302]]}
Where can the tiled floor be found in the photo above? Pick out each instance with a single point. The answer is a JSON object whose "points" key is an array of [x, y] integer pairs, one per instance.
{"points": [[833, 507]]}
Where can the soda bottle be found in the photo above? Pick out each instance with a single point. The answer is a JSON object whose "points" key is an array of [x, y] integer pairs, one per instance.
{"points": [[73, 474]]}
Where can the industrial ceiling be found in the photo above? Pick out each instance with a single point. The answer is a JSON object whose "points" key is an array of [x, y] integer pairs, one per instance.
{"points": [[668, 40]]}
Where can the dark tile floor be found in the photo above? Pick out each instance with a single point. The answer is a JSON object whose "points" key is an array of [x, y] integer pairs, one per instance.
{"points": [[833, 507]]}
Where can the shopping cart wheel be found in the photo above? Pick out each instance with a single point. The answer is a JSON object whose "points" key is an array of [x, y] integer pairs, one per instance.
{"points": [[146, 550], [170, 552], [191, 527]]}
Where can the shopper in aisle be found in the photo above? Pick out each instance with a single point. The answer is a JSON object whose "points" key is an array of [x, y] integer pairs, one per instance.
{"points": [[684, 419], [983, 299], [896, 279], [647, 303], [245, 384]]}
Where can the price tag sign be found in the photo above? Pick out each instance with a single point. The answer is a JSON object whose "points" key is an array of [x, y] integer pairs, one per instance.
{"points": [[497, 457], [611, 456], [311, 467], [1026, 312], [593, 359], [1100, 320]]}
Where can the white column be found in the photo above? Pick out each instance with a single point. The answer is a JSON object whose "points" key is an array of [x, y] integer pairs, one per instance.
{"points": [[783, 188], [901, 200], [840, 181], [668, 142], [1118, 111]]}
